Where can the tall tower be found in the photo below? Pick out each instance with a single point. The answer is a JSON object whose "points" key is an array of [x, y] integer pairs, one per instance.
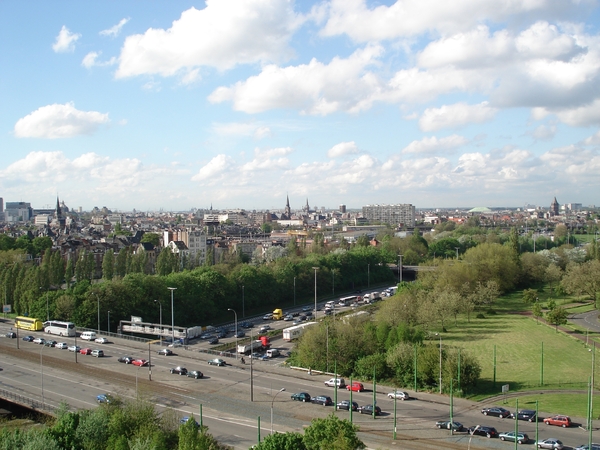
{"points": [[60, 219], [287, 211], [554, 208]]}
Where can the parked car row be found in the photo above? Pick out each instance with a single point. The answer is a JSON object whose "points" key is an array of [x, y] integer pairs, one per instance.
{"points": [[190, 373], [529, 415], [325, 400], [63, 345]]}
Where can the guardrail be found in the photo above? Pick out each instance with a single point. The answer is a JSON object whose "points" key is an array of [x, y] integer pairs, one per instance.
{"points": [[26, 401]]}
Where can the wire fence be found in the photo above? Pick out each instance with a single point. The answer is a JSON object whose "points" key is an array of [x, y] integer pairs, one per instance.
{"points": [[26, 401]]}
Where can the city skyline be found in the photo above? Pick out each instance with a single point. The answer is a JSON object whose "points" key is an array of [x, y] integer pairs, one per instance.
{"points": [[240, 103]]}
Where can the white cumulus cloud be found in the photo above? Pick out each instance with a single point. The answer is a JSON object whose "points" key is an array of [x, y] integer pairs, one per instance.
{"points": [[91, 59], [114, 30], [215, 169], [430, 145], [59, 121], [342, 149], [65, 41], [222, 35], [457, 115]]}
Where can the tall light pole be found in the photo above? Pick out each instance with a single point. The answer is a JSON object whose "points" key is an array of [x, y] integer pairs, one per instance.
{"points": [[236, 332], [243, 303], [400, 268], [98, 300], [172, 317], [42, 373], [368, 276], [160, 312], [294, 291], [273, 401], [438, 334], [108, 322], [315, 269]]}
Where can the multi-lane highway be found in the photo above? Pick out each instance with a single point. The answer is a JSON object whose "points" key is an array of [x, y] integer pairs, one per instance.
{"points": [[225, 394]]}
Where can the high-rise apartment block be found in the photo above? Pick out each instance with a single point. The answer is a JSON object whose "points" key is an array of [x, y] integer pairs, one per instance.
{"points": [[403, 215]]}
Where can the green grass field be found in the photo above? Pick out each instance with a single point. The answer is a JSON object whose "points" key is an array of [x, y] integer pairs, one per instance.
{"points": [[517, 340]]}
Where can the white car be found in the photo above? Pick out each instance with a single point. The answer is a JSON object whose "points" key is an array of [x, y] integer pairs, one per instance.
{"points": [[61, 345], [399, 394], [101, 340], [39, 340], [264, 329], [74, 348]]}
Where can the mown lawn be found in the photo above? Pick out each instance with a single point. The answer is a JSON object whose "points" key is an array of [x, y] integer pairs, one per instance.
{"points": [[517, 340]]}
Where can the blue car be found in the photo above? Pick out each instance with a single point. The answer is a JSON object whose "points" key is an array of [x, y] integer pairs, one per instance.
{"points": [[104, 398], [185, 419]]}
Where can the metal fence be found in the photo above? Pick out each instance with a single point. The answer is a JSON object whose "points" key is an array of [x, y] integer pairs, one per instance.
{"points": [[26, 401]]}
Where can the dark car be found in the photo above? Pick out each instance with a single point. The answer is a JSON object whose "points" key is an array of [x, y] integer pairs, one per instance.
{"points": [[322, 400], [213, 341], [525, 414], [510, 436], [50, 343], [246, 324], [195, 374], [301, 397], [28, 338], [11, 334], [496, 411], [479, 430], [345, 404], [126, 359], [447, 425], [368, 409], [239, 334], [179, 370], [216, 362], [222, 334]]}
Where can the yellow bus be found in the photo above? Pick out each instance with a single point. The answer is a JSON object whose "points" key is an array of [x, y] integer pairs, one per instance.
{"points": [[29, 323]]}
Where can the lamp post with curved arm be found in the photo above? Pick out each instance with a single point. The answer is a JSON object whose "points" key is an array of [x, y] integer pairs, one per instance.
{"points": [[160, 313], [172, 316], [273, 401], [236, 331], [315, 269]]}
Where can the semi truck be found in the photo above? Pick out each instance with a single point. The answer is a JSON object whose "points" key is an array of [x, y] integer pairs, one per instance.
{"points": [[278, 314], [296, 331], [258, 345]]}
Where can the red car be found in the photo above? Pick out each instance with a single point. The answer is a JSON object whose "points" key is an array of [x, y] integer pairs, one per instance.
{"points": [[139, 362], [356, 387], [559, 421], [86, 351]]}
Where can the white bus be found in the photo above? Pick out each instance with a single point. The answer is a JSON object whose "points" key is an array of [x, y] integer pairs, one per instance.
{"points": [[345, 301], [60, 328]]}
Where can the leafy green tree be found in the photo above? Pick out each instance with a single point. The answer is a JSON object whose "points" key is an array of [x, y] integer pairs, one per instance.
{"points": [[121, 262], [64, 430], [583, 279], [69, 272], [368, 365], [108, 265], [282, 441], [536, 310], [266, 228], [332, 433], [152, 238], [166, 262], [40, 244], [557, 316], [530, 296]]}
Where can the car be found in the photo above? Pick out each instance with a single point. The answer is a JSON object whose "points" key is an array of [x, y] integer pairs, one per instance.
{"points": [[74, 348], [179, 370], [525, 414], [368, 409], [355, 387], [85, 351], [28, 338], [328, 312], [559, 421], [321, 400], [216, 362], [239, 334], [301, 397], [139, 362], [307, 308], [213, 341], [61, 345], [522, 438], [165, 352], [399, 394], [195, 374], [551, 443], [309, 314], [39, 341], [222, 334], [101, 340], [125, 359], [185, 419], [50, 343], [586, 447], [11, 334], [255, 355], [345, 404], [206, 336], [288, 318], [447, 425], [264, 329], [482, 430], [297, 322], [97, 353], [333, 381], [496, 411], [104, 398], [246, 324], [268, 316]]}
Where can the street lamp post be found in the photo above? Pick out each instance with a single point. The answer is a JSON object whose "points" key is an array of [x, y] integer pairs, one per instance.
{"points": [[236, 331], [315, 269], [172, 316], [400, 268], [243, 303], [98, 301], [42, 373], [368, 276], [294, 291], [160, 313], [438, 334], [108, 322], [273, 401]]}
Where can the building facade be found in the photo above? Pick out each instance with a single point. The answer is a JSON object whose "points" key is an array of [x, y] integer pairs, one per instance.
{"points": [[401, 214]]}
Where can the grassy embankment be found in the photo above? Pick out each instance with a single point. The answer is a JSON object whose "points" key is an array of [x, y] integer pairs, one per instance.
{"points": [[518, 338]]}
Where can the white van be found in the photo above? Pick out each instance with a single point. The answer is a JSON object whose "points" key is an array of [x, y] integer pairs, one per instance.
{"points": [[88, 335], [272, 353]]}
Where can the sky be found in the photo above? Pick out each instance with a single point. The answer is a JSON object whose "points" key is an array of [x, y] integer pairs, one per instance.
{"points": [[241, 103]]}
